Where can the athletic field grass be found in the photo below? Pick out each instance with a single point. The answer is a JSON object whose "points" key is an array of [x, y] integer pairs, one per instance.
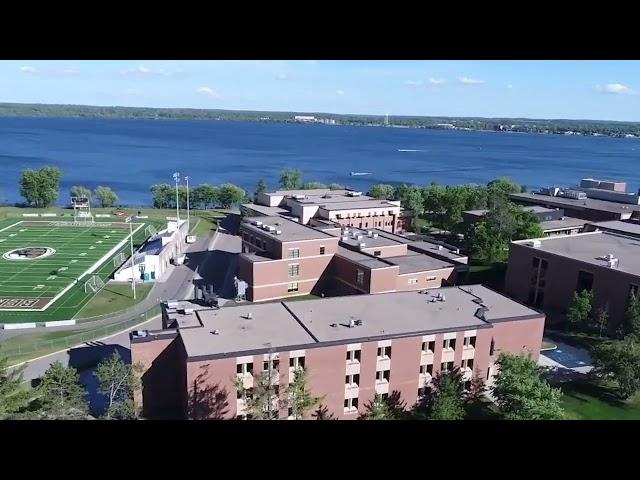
{"points": [[53, 287]]}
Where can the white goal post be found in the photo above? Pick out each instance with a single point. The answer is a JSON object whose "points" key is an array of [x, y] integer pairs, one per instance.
{"points": [[119, 259], [94, 284]]}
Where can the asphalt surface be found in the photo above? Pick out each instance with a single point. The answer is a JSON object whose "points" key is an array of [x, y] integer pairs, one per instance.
{"points": [[214, 259]]}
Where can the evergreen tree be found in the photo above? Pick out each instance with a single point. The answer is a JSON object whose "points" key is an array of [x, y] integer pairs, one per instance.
{"points": [[60, 394], [300, 399], [13, 396]]}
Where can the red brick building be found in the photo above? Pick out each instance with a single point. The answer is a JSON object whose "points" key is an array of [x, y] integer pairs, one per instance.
{"points": [[352, 348]]}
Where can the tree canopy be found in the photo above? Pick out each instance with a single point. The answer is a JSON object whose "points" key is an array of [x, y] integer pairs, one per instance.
{"points": [[80, 191], [230, 194], [381, 191], [13, 396], [521, 392], [40, 187], [446, 396], [106, 196], [117, 382], [632, 315], [60, 394], [300, 399], [290, 179], [261, 187], [580, 309], [313, 185], [620, 360]]}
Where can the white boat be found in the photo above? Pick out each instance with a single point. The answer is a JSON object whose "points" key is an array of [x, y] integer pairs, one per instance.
{"points": [[357, 174], [409, 150]]}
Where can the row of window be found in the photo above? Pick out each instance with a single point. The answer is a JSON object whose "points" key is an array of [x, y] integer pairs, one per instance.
{"points": [[295, 252], [247, 368], [294, 269], [362, 215], [427, 347]]}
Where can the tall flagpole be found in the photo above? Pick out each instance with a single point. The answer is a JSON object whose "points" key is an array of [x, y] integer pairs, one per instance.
{"points": [[133, 280], [188, 224]]}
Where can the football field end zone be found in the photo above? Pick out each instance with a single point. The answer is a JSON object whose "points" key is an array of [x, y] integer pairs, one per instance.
{"points": [[91, 269]]}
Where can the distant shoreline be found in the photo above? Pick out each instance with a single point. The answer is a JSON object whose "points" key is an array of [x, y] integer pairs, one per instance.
{"points": [[603, 128]]}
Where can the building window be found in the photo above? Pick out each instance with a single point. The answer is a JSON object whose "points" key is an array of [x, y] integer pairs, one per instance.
{"points": [[585, 281], [275, 365], [470, 341], [293, 287], [384, 352], [243, 368], [424, 369], [360, 277], [446, 366], [449, 343], [467, 363], [294, 252], [538, 281], [351, 404], [352, 380], [377, 253], [429, 347], [294, 270], [353, 355], [383, 375], [296, 362], [321, 250]]}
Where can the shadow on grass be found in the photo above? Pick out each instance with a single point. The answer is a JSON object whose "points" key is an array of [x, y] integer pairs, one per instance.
{"points": [[578, 390]]}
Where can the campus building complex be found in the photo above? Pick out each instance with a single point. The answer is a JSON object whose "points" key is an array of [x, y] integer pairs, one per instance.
{"points": [[282, 258], [552, 220], [351, 347], [339, 207], [546, 272]]}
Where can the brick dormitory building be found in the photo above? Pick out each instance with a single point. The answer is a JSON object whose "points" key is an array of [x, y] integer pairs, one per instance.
{"points": [[352, 347]]}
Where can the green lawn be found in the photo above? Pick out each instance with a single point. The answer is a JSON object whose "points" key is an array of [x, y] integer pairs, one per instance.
{"points": [[114, 297], [586, 401]]}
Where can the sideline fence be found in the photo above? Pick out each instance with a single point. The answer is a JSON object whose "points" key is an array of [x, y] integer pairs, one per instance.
{"points": [[47, 346]]}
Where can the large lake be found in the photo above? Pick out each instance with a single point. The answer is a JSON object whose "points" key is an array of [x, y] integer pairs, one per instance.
{"points": [[131, 155]]}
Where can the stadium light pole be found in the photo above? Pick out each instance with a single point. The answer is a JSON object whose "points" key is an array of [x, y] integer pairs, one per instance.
{"points": [[176, 177], [188, 224], [133, 280]]}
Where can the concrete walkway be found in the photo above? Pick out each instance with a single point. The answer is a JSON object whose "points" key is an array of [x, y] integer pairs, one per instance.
{"points": [[566, 362]]}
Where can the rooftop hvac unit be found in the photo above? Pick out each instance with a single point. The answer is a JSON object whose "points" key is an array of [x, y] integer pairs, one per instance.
{"points": [[188, 311], [360, 237], [265, 227], [299, 197], [369, 233], [439, 247], [573, 194], [345, 238], [278, 232], [533, 243], [609, 256], [216, 332], [271, 229], [354, 194], [352, 323], [257, 223], [375, 235], [362, 245], [443, 298], [613, 263]]}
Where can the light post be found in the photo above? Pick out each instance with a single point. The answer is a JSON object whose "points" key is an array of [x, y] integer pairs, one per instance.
{"points": [[129, 220], [188, 224], [176, 177]]}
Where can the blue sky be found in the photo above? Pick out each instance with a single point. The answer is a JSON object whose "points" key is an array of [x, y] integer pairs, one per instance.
{"points": [[607, 90]]}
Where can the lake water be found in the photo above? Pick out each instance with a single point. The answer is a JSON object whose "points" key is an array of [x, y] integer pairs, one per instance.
{"points": [[131, 155]]}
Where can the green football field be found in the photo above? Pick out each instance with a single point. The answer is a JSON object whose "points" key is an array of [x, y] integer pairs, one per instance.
{"points": [[44, 265]]}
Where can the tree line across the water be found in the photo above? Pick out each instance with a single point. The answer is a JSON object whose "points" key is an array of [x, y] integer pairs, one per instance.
{"points": [[548, 126]]}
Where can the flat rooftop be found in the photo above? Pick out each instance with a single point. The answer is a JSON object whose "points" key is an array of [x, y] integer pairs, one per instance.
{"points": [[265, 210], [432, 248], [303, 323], [380, 241], [533, 208], [357, 203], [619, 226], [315, 192], [291, 231], [363, 259], [271, 326], [589, 203], [589, 247], [417, 262], [403, 314], [566, 222]]}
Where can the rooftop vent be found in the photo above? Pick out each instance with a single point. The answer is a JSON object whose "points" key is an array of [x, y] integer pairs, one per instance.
{"points": [[188, 311], [352, 323], [334, 325], [613, 263], [442, 298], [362, 245], [476, 300], [257, 223], [216, 332], [440, 247], [480, 313], [360, 237], [345, 237], [278, 232], [375, 235], [248, 316], [533, 243], [433, 300]]}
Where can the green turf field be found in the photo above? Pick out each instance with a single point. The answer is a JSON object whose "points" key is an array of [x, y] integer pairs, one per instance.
{"points": [[53, 287]]}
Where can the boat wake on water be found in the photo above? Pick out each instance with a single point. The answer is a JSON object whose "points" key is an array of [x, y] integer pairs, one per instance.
{"points": [[409, 150]]}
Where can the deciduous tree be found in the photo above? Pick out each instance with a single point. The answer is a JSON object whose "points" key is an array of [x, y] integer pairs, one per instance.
{"points": [[521, 393], [446, 399], [164, 195], [300, 399], [80, 191], [290, 179], [106, 196], [117, 381], [632, 315], [580, 309], [230, 194], [382, 191], [40, 187], [620, 360]]}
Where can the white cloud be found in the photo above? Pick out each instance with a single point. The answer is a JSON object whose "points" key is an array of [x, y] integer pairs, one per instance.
{"points": [[616, 89], [340, 92], [209, 92], [30, 70], [469, 81], [437, 81], [144, 71], [509, 86], [414, 83]]}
